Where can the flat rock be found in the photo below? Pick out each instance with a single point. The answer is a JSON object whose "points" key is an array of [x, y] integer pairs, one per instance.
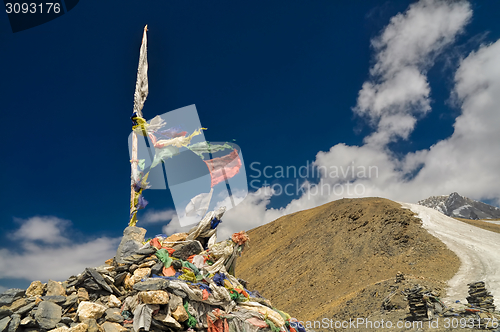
{"points": [[135, 258], [5, 313], [10, 295], [27, 308], [192, 248], [55, 288], [14, 323], [174, 238], [4, 322], [151, 284], [91, 284], [146, 251], [35, 289], [108, 279], [99, 279], [119, 278], [48, 315], [54, 298], [71, 300], [154, 297], [28, 321], [17, 304], [131, 242], [113, 327], [114, 315], [157, 268], [148, 264], [168, 320], [105, 269], [88, 310], [92, 325], [122, 268]]}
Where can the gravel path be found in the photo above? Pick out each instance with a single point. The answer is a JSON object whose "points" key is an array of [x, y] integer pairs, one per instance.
{"points": [[478, 250]]}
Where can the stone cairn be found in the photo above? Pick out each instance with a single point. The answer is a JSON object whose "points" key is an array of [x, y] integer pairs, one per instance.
{"points": [[479, 297], [166, 284], [418, 305]]}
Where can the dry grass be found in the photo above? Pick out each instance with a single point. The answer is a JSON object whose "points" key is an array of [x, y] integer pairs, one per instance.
{"points": [[482, 224], [334, 260]]}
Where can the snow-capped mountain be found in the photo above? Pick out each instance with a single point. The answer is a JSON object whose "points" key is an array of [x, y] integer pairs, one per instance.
{"points": [[457, 206]]}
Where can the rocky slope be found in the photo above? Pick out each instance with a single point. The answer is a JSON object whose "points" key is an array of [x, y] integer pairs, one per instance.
{"points": [[340, 260], [457, 206]]}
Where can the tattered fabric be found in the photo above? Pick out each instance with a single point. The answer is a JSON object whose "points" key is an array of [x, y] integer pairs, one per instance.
{"points": [[205, 147], [141, 86], [223, 168]]}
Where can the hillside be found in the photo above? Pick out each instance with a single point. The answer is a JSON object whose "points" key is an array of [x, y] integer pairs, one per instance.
{"points": [[340, 259]]}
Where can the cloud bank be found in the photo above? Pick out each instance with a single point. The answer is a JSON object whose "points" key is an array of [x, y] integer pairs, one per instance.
{"points": [[392, 100], [47, 250]]}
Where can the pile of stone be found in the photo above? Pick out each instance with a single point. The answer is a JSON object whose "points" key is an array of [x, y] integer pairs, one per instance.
{"points": [[479, 297], [418, 305], [424, 304], [399, 277], [145, 289]]}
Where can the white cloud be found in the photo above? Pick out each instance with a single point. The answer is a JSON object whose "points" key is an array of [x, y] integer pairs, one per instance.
{"points": [[48, 251], [468, 161], [398, 91], [44, 229], [393, 100], [249, 213], [154, 217]]}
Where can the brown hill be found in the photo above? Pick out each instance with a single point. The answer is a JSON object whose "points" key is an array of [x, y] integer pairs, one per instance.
{"points": [[339, 260]]}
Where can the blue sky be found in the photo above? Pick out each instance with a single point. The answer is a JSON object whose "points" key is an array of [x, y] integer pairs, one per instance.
{"points": [[405, 87]]}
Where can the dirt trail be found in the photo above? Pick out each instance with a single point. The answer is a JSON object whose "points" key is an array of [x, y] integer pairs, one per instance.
{"points": [[478, 250]]}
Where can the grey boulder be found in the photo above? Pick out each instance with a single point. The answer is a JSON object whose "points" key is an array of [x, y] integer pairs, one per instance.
{"points": [[48, 315], [10, 295], [130, 243]]}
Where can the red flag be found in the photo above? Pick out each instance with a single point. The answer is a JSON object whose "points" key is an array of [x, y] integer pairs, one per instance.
{"points": [[224, 168]]}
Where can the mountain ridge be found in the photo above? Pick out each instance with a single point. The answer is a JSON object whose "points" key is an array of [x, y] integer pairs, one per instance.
{"points": [[458, 206]]}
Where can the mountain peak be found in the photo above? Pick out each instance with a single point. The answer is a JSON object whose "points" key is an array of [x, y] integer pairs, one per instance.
{"points": [[458, 206]]}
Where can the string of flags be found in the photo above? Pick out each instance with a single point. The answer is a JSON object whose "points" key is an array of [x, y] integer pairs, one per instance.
{"points": [[167, 142]]}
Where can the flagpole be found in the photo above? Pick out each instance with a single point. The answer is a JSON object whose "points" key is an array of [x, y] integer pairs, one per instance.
{"points": [[133, 174], [141, 92]]}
